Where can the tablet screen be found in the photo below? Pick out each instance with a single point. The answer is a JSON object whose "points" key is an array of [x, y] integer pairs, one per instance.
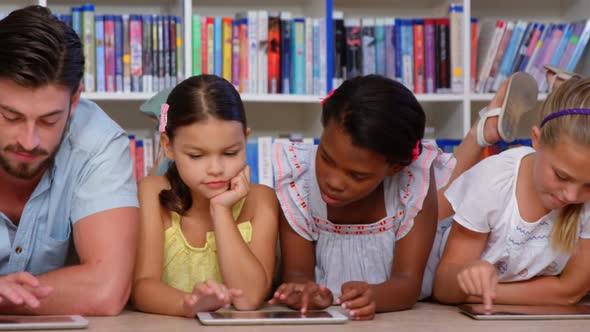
{"points": [[34, 319], [478, 309], [270, 315]]}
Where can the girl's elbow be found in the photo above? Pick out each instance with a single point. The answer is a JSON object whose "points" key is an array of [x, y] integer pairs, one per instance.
{"points": [[246, 304]]}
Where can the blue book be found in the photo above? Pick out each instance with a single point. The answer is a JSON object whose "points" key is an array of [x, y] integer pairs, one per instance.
{"points": [[380, 64], [285, 52], [119, 53], [100, 55], [408, 53], [582, 41], [316, 90], [166, 50], [252, 159], [77, 21], [526, 59], [509, 54], [397, 35], [567, 33], [217, 46], [298, 56]]}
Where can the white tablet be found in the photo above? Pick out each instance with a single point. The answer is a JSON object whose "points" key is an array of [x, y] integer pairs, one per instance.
{"points": [[42, 322], [271, 317], [526, 312]]}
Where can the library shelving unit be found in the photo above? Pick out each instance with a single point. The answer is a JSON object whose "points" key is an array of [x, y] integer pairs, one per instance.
{"points": [[450, 114]]}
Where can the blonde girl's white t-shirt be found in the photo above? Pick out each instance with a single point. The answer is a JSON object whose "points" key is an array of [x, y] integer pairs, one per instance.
{"points": [[484, 200]]}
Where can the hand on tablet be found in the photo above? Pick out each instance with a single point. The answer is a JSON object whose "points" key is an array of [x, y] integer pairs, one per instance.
{"points": [[208, 296], [358, 298], [303, 296], [479, 279], [22, 289]]}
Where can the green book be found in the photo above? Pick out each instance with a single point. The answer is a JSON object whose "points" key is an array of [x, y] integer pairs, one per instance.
{"points": [[197, 61]]}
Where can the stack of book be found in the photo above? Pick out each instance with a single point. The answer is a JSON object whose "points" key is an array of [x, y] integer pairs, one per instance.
{"points": [[128, 53]]}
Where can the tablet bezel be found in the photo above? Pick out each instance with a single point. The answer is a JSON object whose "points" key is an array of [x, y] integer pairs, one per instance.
{"points": [[337, 318], [471, 311], [78, 322]]}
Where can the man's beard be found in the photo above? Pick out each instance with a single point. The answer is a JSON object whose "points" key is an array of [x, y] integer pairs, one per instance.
{"points": [[24, 171]]}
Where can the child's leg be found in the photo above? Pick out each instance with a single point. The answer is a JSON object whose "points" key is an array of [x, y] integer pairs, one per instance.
{"points": [[499, 121], [468, 153]]}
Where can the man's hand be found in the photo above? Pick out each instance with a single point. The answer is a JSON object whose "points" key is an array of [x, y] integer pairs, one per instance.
{"points": [[22, 289]]}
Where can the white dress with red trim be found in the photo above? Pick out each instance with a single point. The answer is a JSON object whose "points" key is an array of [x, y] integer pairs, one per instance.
{"points": [[361, 252]]}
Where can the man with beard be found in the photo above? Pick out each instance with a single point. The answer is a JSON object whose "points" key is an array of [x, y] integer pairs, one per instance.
{"points": [[65, 174]]}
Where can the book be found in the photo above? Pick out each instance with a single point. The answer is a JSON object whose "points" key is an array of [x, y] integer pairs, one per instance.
{"points": [[100, 54], [429, 56], [88, 42], [227, 41], [110, 54], [298, 60], [196, 44], [368, 46], [274, 53], [286, 56], [353, 48], [262, 54], [419, 80], [135, 46], [218, 46], [119, 53], [235, 63], [146, 50], [339, 50], [456, 30]]}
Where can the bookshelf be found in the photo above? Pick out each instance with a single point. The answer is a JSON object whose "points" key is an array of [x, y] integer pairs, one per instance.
{"points": [[451, 114]]}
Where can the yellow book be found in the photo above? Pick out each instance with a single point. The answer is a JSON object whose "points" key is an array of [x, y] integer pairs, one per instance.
{"points": [[227, 35]]}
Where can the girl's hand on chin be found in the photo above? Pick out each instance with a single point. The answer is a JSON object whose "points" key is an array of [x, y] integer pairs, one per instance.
{"points": [[239, 187]]}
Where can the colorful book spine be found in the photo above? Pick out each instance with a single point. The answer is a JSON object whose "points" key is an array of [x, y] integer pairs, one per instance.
{"points": [[473, 60], [253, 51], [456, 29], [179, 50], [526, 40], [100, 54], [397, 37], [323, 57], [429, 56], [262, 53], [274, 53], [536, 51], [571, 44], [314, 64], [135, 40], [119, 53], [173, 51], [339, 50], [235, 63], [218, 46], [495, 34], [126, 55], [167, 52], [244, 54], [110, 58], [580, 47], [408, 53], [509, 54], [196, 44], [204, 45], [227, 31], [390, 47], [156, 54], [286, 28], [146, 49], [298, 61], [161, 54], [443, 61], [540, 28], [353, 48], [380, 65], [211, 45], [368, 46], [559, 51], [311, 36], [77, 22], [419, 80], [88, 30], [499, 55]]}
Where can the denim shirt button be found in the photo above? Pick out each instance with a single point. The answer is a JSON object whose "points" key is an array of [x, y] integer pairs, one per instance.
{"points": [[18, 250]]}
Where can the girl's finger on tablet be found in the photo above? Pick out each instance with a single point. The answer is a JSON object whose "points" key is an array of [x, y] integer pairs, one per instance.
{"points": [[348, 295], [359, 302], [10, 294], [363, 313]]}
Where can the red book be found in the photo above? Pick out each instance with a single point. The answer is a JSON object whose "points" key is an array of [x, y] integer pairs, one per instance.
{"points": [[419, 82], [473, 69], [204, 44], [274, 54]]}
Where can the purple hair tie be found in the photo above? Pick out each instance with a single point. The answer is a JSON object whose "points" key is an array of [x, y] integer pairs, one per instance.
{"points": [[571, 111]]}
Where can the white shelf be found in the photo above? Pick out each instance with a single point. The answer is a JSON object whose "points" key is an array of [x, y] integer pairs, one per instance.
{"points": [[489, 96], [262, 98]]}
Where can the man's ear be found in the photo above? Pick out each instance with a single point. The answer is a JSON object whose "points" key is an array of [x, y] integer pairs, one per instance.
{"points": [[248, 132], [536, 137], [75, 99], [393, 169], [166, 145]]}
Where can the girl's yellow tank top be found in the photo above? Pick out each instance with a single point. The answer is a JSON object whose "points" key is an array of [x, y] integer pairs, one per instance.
{"points": [[185, 265]]}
